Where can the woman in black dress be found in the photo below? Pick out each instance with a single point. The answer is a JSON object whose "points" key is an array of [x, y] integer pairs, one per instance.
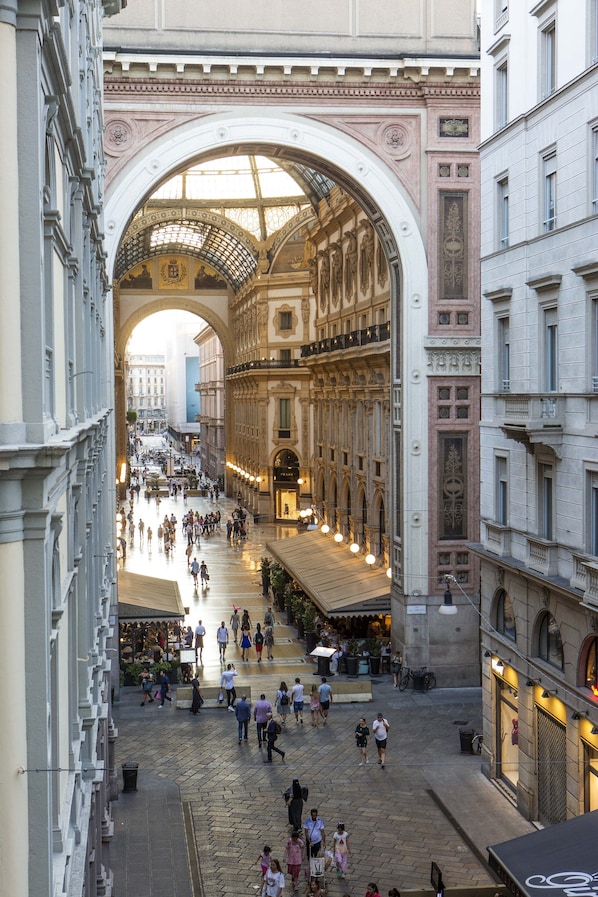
{"points": [[294, 797], [197, 698]]}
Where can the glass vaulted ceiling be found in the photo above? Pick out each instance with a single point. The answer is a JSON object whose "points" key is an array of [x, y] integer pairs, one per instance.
{"points": [[256, 194], [253, 191]]}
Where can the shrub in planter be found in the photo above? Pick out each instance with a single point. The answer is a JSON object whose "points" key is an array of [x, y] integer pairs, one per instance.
{"points": [[352, 657]]}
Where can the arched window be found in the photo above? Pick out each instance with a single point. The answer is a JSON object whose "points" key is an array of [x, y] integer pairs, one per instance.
{"points": [[591, 672], [505, 615], [550, 644]]}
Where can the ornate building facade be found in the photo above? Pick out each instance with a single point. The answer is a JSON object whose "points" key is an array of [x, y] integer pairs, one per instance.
{"points": [[57, 504], [351, 329], [538, 430]]}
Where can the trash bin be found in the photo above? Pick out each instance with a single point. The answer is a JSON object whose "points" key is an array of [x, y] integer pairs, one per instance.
{"points": [[419, 681], [130, 775], [466, 738]]}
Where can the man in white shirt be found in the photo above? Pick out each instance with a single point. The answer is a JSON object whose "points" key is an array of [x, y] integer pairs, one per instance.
{"points": [[297, 699], [200, 631], [380, 729], [228, 683]]}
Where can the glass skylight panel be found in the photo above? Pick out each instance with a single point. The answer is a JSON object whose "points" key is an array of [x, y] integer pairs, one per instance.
{"points": [[209, 185], [277, 216], [172, 189], [275, 182], [248, 219], [167, 234]]}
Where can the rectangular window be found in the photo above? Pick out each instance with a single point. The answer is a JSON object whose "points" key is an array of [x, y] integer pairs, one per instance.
{"points": [[502, 203], [549, 206], [545, 501], [502, 94], [594, 331], [504, 355], [285, 320], [551, 350], [548, 39], [284, 418], [593, 528], [502, 491], [595, 169], [284, 355]]}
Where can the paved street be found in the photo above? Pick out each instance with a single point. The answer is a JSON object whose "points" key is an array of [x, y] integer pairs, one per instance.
{"points": [[430, 802]]}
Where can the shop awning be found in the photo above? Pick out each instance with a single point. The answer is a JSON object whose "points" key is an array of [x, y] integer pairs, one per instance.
{"points": [[339, 584], [147, 598], [558, 861]]}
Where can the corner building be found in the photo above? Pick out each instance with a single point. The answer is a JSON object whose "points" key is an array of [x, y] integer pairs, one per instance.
{"points": [[57, 476], [350, 330], [539, 524]]}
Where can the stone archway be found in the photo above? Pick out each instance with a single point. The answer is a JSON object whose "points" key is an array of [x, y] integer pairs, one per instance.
{"points": [[385, 201]]}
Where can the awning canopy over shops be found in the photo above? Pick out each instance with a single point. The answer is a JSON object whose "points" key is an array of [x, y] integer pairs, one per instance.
{"points": [[338, 584], [147, 598], [558, 861]]}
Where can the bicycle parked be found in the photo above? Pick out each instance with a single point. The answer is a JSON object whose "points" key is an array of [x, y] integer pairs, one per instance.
{"points": [[407, 676]]}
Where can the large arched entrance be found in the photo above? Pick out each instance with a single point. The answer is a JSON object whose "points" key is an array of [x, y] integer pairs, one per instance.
{"points": [[389, 209]]}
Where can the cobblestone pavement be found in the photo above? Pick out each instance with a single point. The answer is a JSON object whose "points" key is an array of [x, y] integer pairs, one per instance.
{"points": [[431, 802]]}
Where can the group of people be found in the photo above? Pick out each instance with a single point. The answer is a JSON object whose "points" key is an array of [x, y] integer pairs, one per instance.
{"points": [[196, 525]]}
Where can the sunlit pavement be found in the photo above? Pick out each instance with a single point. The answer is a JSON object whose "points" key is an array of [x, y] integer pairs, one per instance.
{"points": [[430, 802]]}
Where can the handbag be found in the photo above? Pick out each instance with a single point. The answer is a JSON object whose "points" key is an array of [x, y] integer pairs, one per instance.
{"points": [[221, 697]]}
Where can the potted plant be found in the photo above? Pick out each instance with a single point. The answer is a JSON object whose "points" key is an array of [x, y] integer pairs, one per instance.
{"points": [[131, 672], [265, 571], [278, 580], [297, 605], [309, 625], [352, 657], [374, 648]]}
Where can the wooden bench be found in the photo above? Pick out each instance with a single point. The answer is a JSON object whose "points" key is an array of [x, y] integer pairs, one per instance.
{"points": [[209, 693]]}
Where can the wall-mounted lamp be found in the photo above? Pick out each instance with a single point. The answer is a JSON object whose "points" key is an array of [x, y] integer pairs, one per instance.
{"points": [[594, 730], [338, 538], [499, 667], [487, 653], [300, 481], [325, 528], [575, 715], [545, 693], [389, 572], [530, 682], [370, 559], [448, 608], [354, 548]]}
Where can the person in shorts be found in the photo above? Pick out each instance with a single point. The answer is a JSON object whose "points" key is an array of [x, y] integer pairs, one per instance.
{"points": [[380, 729], [325, 699], [297, 699]]}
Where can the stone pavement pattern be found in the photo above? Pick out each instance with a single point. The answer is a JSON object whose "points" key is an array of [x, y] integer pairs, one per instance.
{"points": [[234, 801]]}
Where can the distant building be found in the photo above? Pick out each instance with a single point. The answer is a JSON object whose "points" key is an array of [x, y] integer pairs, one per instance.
{"points": [[146, 391], [210, 387]]}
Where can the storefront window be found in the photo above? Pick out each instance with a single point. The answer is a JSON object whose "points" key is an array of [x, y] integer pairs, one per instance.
{"points": [[508, 728], [505, 615], [592, 667], [550, 645], [590, 756]]}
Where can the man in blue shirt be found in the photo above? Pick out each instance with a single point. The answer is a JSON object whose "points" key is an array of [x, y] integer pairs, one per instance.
{"points": [[325, 693]]}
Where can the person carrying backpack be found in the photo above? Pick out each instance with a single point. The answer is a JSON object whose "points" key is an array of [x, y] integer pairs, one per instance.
{"points": [[258, 641], [273, 730]]}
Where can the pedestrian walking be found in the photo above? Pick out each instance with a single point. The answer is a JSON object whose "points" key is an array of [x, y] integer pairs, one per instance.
{"points": [[204, 575], [261, 710], [269, 641], [325, 699], [258, 641], [243, 714], [222, 640], [245, 643], [314, 889], [314, 705], [246, 621], [294, 852], [235, 622], [294, 797], [164, 689], [315, 833], [341, 850], [283, 703], [194, 567], [188, 553], [200, 631], [149, 538], [269, 617], [297, 698], [361, 739], [227, 682], [274, 883], [380, 729], [146, 687], [372, 890], [272, 732], [197, 699], [396, 665], [264, 859]]}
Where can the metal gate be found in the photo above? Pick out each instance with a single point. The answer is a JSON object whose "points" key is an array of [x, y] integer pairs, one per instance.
{"points": [[552, 769]]}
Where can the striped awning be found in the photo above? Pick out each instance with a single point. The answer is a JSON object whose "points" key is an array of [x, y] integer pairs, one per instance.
{"points": [[338, 583], [147, 598]]}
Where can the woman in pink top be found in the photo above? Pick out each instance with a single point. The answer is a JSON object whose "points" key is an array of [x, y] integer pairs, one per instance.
{"points": [[294, 857]]}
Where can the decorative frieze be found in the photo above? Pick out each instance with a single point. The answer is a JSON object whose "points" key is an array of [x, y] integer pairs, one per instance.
{"points": [[454, 361]]}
